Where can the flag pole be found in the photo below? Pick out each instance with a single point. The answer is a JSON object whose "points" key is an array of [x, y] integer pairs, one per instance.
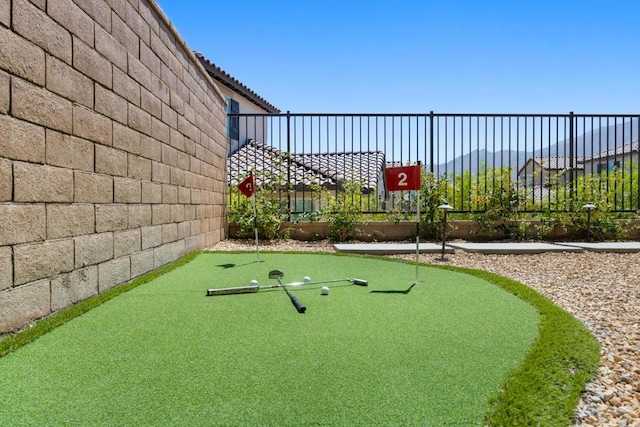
{"points": [[255, 222], [418, 221]]}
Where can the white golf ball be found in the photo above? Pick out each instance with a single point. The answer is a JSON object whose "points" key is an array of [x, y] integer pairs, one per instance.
{"points": [[324, 290], [254, 282], [307, 279]]}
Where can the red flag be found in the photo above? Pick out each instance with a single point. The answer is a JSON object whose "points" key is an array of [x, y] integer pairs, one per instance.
{"points": [[403, 178], [247, 187]]}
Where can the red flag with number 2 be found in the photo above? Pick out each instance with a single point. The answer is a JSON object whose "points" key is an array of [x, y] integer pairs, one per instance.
{"points": [[403, 178], [247, 186]]}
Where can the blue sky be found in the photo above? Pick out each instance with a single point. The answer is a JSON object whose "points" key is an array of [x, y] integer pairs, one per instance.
{"points": [[413, 56]]}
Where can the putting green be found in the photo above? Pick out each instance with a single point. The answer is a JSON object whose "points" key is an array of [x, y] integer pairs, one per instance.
{"points": [[387, 354]]}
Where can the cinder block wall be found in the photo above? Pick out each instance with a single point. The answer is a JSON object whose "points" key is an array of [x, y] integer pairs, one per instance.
{"points": [[112, 151]]}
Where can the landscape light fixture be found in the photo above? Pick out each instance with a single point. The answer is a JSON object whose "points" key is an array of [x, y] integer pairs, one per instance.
{"points": [[446, 207], [589, 207]]}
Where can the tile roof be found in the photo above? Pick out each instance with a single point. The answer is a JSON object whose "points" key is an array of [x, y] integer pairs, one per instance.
{"points": [[559, 163], [219, 75], [327, 169], [628, 148]]}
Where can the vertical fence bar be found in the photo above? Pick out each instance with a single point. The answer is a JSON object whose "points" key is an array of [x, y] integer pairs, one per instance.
{"points": [[571, 161], [431, 157], [288, 162]]}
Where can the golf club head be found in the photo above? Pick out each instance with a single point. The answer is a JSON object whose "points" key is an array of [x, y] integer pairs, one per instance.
{"points": [[276, 274]]}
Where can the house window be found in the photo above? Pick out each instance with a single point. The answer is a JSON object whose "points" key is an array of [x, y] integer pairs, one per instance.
{"points": [[233, 123], [608, 166], [303, 205]]}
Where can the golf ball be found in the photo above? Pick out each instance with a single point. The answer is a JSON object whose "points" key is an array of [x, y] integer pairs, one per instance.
{"points": [[307, 279], [324, 290], [254, 282]]}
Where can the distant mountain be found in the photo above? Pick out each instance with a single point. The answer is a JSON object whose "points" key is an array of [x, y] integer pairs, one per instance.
{"points": [[477, 160], [587, 144], [600, 139]]}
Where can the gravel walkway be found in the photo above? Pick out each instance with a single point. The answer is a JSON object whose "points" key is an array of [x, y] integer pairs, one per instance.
{"points": [[600, 289]]}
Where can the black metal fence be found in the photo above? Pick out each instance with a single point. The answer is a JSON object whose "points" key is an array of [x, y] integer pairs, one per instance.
{"points": [[539, 162]]}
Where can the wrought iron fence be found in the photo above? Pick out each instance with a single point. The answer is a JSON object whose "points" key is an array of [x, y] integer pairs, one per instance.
{"points": [[532, 162]]}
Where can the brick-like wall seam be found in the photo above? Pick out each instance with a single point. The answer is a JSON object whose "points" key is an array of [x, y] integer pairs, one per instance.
{"points": [[112, 149]]}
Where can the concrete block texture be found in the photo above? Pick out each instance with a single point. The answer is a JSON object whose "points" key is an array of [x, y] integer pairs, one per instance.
{"points": [[139, 120], [6, 180], [91, 63], [36, 26], [69, 220], [22, 223], [5, 92], [38, 105], [126, 190], [6, 266], [110, 161], [21, 140], [114, 272], [168, 253], [126, 242], [139, 216], [151, 192], [5, 12], [160, 214], [21, 57], [99, 11], [68, 82], [169, 232], [42, 4], [24, 304], [93, 126], [110, 48], [68, 289], [69, 151], [150, 103], [74, 19], [151, 236], [137, 23], [123, 34], [141, 263], [41, 183], [93, 249], [38, 261], [126, 87], [111, 217], [125, 138], [139, 167], [111, 105], [105, 127], [92, 188]]}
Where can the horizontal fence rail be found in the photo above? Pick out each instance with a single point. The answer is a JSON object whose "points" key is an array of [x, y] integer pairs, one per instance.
{"points": [[530, 162]]}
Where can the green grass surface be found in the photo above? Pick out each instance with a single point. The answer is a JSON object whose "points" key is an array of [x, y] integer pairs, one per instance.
{"points": [[434, 354]]}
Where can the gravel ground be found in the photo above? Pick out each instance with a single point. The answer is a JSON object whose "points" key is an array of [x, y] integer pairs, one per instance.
{"points": [[600, 289]]}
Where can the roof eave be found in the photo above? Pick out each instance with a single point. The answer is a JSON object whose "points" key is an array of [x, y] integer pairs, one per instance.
{"points": [[223, 77]]}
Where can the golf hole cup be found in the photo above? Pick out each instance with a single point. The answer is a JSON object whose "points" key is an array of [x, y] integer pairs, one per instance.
{"points": [[324, 290]]}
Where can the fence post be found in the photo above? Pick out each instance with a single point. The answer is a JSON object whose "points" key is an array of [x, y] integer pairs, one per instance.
{"points": [[289, 164], [431, 142], [572, 161]]}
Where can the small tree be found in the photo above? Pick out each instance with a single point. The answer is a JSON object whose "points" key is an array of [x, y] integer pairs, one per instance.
{"points": [[343, 211]]}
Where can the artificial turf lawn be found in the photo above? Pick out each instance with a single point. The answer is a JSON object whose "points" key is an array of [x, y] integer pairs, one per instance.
{"points": [[388, 354]]}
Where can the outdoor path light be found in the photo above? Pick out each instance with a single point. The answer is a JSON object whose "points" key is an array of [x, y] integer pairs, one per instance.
{"points": [[446, 207], [589, 207]]}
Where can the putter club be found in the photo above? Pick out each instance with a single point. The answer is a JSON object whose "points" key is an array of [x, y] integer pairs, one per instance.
{"points": [[278, 274]]}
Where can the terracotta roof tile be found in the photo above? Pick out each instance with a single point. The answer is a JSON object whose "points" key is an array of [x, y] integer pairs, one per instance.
{"points": [[327, 169]]}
